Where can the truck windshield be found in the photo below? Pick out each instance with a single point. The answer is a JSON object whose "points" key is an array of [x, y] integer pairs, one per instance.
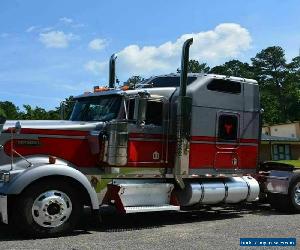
{"points": [[99, 108]]}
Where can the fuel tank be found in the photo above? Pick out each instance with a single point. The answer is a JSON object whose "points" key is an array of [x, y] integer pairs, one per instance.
{"points": [[227, 190]]}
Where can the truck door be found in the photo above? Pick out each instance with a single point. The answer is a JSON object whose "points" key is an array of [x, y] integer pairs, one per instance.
{"points": [[227, 140], [147, 142]]}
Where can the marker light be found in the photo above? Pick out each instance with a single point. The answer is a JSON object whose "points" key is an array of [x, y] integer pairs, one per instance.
{"points": [[100, 89], [125, 87]]}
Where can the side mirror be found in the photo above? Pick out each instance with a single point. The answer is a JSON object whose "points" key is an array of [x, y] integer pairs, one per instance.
{"points": [[18, 127], [140, 108]]}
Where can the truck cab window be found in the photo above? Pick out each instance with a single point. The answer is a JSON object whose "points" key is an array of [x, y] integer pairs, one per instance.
{"points": [[101, 108], [130, 109], [154, 113]]}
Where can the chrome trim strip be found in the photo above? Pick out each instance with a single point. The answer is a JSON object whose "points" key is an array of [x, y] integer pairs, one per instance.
{"points": [[142, 209], [37, 136], [212, 171], [226, 143]]}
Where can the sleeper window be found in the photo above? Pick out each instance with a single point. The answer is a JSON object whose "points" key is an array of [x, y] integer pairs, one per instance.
{"points": [[226, 86]]}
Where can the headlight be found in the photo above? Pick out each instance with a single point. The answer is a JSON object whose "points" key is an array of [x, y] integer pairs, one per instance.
{"points": [[4, 176]]}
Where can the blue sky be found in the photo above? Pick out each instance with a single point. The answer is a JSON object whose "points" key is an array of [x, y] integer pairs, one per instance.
{"points": [[52, 49]]}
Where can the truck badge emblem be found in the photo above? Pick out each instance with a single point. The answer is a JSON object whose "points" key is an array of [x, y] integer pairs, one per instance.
{"points": [[228, 128], [155, 155]]}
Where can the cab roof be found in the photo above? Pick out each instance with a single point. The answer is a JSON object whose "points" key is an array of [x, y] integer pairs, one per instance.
{"points": [[165, 85]]}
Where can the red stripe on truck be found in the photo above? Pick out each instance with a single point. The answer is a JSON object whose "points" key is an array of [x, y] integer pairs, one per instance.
{"points": [[76, 151]]}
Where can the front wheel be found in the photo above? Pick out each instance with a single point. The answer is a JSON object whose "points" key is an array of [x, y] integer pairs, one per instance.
{"points": [[47, 209]]}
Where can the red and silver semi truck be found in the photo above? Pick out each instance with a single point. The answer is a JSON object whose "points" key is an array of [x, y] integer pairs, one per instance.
{"points": [[174, 142]]}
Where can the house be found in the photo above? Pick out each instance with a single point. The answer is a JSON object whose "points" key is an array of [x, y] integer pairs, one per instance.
{"points": [[280, 142]]}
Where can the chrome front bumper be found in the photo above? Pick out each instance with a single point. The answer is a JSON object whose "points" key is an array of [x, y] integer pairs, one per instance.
{"points": [[3, 209]]}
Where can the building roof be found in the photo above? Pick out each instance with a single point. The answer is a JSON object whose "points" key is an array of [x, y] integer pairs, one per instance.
{"points": [[279, 138], [278, 124]]}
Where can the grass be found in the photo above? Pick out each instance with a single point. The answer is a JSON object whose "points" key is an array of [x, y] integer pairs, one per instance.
{"points": [[295, 163]]}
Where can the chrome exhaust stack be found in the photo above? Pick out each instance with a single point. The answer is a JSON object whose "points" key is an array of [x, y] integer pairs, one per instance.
{"points": [[183, 123], [112, 71]]}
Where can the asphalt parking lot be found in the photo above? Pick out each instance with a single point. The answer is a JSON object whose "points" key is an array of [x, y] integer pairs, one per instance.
{"points": [[217, 228]]}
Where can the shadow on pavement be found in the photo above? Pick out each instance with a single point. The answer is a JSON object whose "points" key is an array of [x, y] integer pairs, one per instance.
{"points": [[133, 222]]}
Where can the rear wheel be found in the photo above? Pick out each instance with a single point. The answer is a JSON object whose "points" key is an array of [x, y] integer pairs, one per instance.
{"points": [[47, 209], [295, 194]]}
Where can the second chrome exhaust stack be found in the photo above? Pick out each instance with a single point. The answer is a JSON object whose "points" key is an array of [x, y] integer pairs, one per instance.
{"points": [[112, 71], [183, 120]]}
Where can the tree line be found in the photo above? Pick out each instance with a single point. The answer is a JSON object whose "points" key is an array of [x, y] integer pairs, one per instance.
{"points": [[12, 112], [278, 79]]}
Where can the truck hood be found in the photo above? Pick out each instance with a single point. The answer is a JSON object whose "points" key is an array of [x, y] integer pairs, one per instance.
{"points": [[55, 124]]}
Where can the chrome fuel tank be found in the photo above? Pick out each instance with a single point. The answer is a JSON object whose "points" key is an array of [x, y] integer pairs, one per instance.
{"points": [[227, 190]]}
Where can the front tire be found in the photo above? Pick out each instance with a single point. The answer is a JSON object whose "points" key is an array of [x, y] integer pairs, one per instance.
{"points": [[47, 208]]}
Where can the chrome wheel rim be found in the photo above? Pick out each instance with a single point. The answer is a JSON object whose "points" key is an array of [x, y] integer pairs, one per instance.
{"points": [[297, 194], [51, 209]]}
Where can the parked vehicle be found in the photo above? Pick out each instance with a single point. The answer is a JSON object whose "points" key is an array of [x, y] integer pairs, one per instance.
{"points": [[176, 141]]}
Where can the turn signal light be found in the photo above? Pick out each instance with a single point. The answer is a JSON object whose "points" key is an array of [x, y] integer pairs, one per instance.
{"points": [[100, 89], [124, 88]]}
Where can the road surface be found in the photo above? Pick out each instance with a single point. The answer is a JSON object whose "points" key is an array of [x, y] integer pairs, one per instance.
{"points": [[218, 228]]}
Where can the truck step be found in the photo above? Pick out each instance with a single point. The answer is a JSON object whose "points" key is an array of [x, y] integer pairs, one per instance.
{"points": [[143, 209], [148, 193]]}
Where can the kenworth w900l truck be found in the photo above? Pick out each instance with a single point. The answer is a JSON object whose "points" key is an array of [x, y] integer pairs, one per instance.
{"points": [[174, 142]]}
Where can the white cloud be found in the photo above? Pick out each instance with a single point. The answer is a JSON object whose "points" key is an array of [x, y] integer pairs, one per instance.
{"points": [[56, 39], [225, 41], [97, 44], [46, 29], [66, 20], [31, 28], [96, 67]]}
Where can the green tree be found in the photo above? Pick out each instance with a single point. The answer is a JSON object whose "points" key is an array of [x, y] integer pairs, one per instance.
{"points": [[234, 68], [2, 114], [10, 110], [36, 113], [196, 67], [65, 109], [133, 81], [278, 80]]}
